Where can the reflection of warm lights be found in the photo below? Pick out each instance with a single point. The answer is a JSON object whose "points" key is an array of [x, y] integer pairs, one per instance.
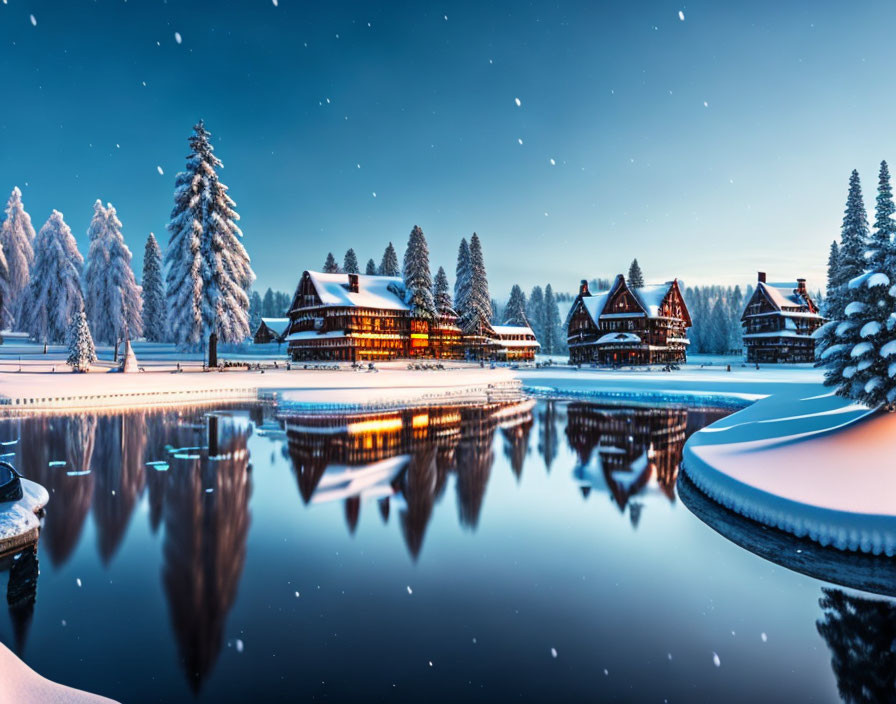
{"points": [[373, 426], [421, 420]]}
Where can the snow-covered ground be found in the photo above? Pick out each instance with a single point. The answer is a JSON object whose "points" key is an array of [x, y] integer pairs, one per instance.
{"points": [[23, 685]]}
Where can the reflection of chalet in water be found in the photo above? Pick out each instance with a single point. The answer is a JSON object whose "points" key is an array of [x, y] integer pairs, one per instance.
{"points": [[625, 325], [359, 317], [778, 322], [624, 449], [402, 456]]}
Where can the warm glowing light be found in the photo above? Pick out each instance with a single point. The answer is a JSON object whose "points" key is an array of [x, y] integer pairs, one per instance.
{"points": [[420, 421], [373, 426]]}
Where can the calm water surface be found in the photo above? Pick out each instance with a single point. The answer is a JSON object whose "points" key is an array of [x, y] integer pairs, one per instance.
{"points": [[521, 552]]}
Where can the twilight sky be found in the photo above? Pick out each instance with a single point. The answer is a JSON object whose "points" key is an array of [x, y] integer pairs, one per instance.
{"points": [[708, 147]]}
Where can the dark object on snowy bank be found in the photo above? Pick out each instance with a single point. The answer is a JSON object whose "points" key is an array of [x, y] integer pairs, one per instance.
{"points": [[10, 483], [869, 573]]}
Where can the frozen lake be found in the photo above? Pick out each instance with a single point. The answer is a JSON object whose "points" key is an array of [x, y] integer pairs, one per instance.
{"points": [[514, 552]]}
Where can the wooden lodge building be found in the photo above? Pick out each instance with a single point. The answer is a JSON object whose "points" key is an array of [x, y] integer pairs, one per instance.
{"points": [[625, 325], [778, 322], [359, 317], [271, 330]]}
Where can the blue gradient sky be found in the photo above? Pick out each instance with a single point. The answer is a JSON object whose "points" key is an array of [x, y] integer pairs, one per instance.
{"points": [[795, 97]]}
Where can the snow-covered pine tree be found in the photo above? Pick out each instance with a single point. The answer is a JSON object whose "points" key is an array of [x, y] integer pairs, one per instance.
{"points": [[81, 352], [254, 310], [370, 269], [515, 310], [718, 329], [209, 269], [834, 281], [417, 277], [441, 292], [4, 287], [635, 276], [496, 312], [268, 308], [881, 241], [125, 296], [350, 262], [17, 243], [389, 263], [838, 341], [735, 328], [282, 301], [96, 267], [479, 305], [462, 276], [54, 290], [551, 323], [330, 265], [154, 314], [535, 311]]}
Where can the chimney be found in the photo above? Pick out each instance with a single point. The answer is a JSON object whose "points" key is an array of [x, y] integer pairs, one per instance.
{"points": [[353, 283], [761, 277], [583, 288], [801, 286]]}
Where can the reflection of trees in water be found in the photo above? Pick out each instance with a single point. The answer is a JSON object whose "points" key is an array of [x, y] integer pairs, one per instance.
{"points": [[118, 464], [861, 634], [21, 593], [438, 441], [205, 546], [45, 439], [547, 434]]}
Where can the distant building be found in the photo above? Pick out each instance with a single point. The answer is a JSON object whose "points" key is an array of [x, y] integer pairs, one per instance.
{"points": [[623, 325], [271, 330], [778, 322], [359, 317]]}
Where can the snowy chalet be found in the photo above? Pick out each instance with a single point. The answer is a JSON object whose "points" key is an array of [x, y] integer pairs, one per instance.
{"points": [[271, 330], [778, 322], [359, 317], [624, 325]]}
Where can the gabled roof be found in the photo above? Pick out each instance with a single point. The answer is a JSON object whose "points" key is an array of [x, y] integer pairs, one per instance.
{"points": [[382, 292], [650, 298], [512, 330], [276, 325], [781, 296]]}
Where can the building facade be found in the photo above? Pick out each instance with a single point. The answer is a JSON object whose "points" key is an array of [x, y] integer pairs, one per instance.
{"points": [[779, 321], [358, 318], [624, 325], [271, 330]]}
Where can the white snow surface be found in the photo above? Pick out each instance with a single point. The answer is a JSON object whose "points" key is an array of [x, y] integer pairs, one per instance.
{"points": [[870, 328], [373, 291], [855, 308], [23, 685]]}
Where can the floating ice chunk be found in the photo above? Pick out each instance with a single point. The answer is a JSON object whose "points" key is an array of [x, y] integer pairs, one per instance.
{"points": [[5, 443], [716, 660], [79, 473], [554, 653], [56, 463], [870, 328]]}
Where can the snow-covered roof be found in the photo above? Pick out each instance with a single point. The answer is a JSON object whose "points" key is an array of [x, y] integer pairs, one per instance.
{"points": [[276, 325], [373, 291], [783, 295], [615, 338], [651, 297], [512, 330], [515, 343], [778, 333]]}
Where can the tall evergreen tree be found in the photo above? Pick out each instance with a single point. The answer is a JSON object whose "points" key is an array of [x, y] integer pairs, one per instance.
{"points": [[881, 243], [718, 329], [441, 292], [209, 269], [17, 243], [96, 266], [535, 311], [330, 265], [370, 270], [551, 323], [635, 277], [389, 263], [479, 305], [854, 233], [350, 262], [282, 301], [417, 276], [4, 289], [54, 290], [736, 309], [154, 313], [255, 305], [81, 351], [268, 307], [834, 281], [462, 278], [515, 310]]}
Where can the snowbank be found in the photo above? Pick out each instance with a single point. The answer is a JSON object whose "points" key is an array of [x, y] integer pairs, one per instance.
{"points": [[19, 523], [23, 685]]}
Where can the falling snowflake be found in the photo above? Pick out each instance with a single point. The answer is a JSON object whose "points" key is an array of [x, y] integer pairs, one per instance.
{"points": [[517, 101], [159, 169], [520, 140], [705, 104], [430, 663], [33, 21], [78, 581], [410, 591], [716, 660], [374, 194], [239, 645], [297, 595], [554, 653], [764, 638], [179, 39], [553, 163], [680, 14], [275, 2]]}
